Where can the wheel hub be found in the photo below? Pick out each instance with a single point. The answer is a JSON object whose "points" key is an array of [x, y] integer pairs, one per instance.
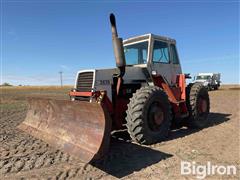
{"points": [[202, 105], [156, 116]]}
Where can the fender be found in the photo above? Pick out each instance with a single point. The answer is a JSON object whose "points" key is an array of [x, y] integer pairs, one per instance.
{"points": [[176, 95]]}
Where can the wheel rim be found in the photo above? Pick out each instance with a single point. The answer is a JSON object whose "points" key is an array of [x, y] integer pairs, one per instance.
{"points": [[155, 116], [202, 106]]}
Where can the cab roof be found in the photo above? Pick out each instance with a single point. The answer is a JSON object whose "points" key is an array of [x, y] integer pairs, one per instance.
{"points": [[148, 36]]}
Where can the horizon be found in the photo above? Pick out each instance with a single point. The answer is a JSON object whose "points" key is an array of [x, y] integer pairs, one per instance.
{"points": [[68, 85], [39, 39]]}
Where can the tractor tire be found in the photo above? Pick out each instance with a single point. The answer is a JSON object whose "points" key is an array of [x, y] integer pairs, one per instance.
{"points": [[149, 115], [216, 87], [198, 105], [209, 88]]}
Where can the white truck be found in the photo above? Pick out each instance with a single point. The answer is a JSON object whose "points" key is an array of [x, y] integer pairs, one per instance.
{"points": [[209, 80]]}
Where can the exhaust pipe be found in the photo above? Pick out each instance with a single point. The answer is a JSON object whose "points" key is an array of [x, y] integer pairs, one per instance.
{"points": [[118, 48]]}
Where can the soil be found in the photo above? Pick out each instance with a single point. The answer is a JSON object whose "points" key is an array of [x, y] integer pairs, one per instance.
{"points": [[25, 157]]}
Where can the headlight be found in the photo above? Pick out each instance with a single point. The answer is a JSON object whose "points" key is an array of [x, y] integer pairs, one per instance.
{"points": [[73, 90]]}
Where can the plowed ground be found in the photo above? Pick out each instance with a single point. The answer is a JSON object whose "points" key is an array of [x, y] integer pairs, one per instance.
{"points": [[25, 157]]}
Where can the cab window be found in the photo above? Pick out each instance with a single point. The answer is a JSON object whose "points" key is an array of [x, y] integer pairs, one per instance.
{"points": [[136, 53], [160, 52], [175, 59]]}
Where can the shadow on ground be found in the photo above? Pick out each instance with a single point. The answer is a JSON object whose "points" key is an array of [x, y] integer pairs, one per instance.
{"points": [[125, 157], [180, 131]]}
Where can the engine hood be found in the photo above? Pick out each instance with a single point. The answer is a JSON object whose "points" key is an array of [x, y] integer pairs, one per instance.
{"points": [[102, 79], [201, 80], [131, 74]]}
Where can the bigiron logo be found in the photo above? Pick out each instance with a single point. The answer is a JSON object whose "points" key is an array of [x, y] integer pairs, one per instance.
{"points": [[202, 171]]}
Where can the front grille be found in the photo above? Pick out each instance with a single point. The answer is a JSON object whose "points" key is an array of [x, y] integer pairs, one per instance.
{"points": [[85, 81]]}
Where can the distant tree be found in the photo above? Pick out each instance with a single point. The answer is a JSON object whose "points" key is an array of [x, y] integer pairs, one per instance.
{"points": [[6, 84]]}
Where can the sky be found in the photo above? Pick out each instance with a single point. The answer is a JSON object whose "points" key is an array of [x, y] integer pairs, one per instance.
{"points": [[41, 38]]}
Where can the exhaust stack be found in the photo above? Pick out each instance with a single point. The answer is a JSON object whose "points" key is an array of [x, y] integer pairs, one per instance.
{"points": [[117, 47]]}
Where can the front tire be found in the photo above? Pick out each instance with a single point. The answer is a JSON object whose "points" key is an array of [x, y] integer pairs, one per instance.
{"points": [[198, 104], [149, 115], [216, 87]]}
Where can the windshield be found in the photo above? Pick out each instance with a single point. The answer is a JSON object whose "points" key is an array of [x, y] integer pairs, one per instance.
{"points": [[202, 77], [136, 53]]}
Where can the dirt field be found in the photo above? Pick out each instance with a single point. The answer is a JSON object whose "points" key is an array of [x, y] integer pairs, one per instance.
{"points": [[24, 157]]}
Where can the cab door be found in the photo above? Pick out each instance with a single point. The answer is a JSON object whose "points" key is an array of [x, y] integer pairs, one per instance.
{"points": [[161, 59], [175, 63]]}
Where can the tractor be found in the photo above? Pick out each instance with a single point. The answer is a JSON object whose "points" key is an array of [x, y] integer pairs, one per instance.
{"points": [[146, 92]]}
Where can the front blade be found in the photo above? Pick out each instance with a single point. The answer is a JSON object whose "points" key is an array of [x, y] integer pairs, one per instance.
{"points": [[78, 128]]}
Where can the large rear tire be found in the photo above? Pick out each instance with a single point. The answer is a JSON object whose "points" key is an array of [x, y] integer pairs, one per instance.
{"points": [[198, 104], [149, 115]]}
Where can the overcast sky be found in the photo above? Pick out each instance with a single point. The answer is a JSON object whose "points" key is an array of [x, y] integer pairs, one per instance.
{"points": [[41, 38]]}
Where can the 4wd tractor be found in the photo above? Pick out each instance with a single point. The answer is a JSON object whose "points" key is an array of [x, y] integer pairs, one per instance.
{"points": [[146, 93]]}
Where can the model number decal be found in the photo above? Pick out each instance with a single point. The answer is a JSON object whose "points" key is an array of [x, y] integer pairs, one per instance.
{"points": [[103, 82]]}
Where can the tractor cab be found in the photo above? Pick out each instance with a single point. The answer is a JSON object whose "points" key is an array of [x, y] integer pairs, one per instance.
{"points": [[157, 53]]}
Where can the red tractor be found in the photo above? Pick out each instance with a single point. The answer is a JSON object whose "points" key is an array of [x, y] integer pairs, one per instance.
{"points": [[146, 91]]}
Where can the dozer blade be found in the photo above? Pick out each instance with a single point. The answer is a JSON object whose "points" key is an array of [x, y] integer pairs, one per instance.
{"points": [[78, 128]]}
